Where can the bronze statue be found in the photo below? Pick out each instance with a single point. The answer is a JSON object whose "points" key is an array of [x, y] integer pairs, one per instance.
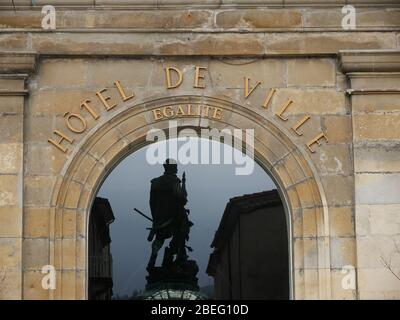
{"points": [[168, 197]]}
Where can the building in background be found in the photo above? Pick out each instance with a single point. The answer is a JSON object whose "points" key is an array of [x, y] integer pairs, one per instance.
{"points": [[251, 258], [100, 259]]}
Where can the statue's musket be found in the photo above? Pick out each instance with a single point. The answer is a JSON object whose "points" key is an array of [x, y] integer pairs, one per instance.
{"points": [[142, 214], [184, 181]]}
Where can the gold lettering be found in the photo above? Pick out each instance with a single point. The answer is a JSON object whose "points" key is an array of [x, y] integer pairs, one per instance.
{"points": [[268, 98], [296, 127], [122, 91], [85, 105], [206, 108], [104, 99], [198, 77], [189, 108], [63, 137], [317, 141], [247, 89], [283, 109], [76, 116], [157, 114], [170, 112], [168, 77], [179, 111], [217, 113]]}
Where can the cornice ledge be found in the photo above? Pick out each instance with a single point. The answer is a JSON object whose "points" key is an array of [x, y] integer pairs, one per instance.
{"points": [[20, 62], [369, 60], [189, 4]]}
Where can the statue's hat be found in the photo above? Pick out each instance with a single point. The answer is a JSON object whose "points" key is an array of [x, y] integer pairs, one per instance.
{"points": [[170, 163]]}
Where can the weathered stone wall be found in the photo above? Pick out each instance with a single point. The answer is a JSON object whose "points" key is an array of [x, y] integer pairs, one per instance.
{"points": [[343, 199], [12, 106], [375, 102]]}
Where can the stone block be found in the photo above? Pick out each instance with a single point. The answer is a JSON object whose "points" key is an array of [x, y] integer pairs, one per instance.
{"points": [[131, 74], [68, 288], [325, 42], [371, 81], [29, 19], [12, 105], [10, 128], [374, 251], [309, 101], [33, 289], [378, 283], [57, 102], [42, 159], [11, 286], [309, 223], [311, 284], [216, 44], [230, 73], [58, 73], [341, 222], [136, 19], [10, 254], [375, 188], [9, 191], [40, 129], [69, 253], [377, 219], [307, 193], [38, 190], [36, 222], [10, 158], [378, 157], [339, 190], [69, 223], [333, 159], [298, 285], [258, 19], [376, 127], [343, 252], [311, 72], [13, 41], [36, 253], [293, 169], [73, 194], [85, 167], [375, 102], [338, 128], [10, 222]]}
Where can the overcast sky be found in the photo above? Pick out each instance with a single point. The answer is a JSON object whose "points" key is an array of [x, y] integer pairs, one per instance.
{"points": [[209, 189]]}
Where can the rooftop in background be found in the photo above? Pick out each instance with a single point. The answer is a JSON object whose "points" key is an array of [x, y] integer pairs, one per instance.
{"points": [[242, 205]]}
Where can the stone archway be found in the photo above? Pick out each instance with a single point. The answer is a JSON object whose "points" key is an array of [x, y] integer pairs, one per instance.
{"points": [[125, 132]]}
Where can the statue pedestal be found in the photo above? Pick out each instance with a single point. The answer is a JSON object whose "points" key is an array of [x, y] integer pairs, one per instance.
{"points": [[173, 282], [174, 276]]}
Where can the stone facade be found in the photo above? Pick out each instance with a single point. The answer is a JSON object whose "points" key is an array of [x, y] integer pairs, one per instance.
{"points": [[342, 200]]}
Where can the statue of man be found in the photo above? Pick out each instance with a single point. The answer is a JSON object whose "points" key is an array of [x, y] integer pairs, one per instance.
{"points": [[167, 202]]}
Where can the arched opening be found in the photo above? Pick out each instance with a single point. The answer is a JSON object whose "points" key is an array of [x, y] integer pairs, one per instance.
{"points": [[240, 233], [124, 132]]}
